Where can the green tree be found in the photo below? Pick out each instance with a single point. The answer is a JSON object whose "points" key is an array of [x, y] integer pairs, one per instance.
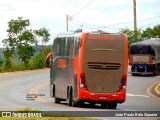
{"points": [[1, 62], [20, 38], [25, 53], [44, 34], [148, 33], [156, 30], [46, 50], [132, 36], [8, 54]]}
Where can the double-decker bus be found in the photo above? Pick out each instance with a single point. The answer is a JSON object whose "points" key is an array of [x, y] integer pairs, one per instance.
{"points": [[89, 67]]}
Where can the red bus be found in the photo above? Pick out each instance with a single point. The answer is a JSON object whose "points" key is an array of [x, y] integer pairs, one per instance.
{"points": [[89, 67]]}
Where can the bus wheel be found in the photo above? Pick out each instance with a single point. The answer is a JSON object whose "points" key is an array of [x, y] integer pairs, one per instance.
{"points": [[134, 74], [112, 105], [71, 102], [155, 72], [104, 105], [57, 100], [92, 104]]}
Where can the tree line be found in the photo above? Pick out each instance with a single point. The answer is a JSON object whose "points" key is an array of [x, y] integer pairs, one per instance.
{"points": [[141, 34], [19, 44], [20, 41]]}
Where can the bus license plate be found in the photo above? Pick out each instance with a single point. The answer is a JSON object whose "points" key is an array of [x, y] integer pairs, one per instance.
{"points": [[140, 67]]}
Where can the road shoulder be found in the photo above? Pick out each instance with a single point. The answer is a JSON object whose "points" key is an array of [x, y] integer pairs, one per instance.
{"points": [[153, 92]]}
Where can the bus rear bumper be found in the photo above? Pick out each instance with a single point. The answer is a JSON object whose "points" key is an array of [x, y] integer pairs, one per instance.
{"points": [[141, 73], [119, 97]]}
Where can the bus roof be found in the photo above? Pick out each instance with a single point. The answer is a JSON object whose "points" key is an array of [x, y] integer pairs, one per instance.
{"points": [[68, 34], [78, 33]]}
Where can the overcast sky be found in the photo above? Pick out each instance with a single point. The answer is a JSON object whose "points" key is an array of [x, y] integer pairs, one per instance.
{"points": [[106, 15]]}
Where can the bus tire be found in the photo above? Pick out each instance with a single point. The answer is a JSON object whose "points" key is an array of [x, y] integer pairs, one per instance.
{"points": [[53, 90], [71, 102], [134, 74], [112, 105], [155, 72], [57, 100], [104, 105]]}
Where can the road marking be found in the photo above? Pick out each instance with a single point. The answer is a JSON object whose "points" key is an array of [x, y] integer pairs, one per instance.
{"points": [[137, 95], [35, 90], [148, 91], [3, 82], [5, 107]]}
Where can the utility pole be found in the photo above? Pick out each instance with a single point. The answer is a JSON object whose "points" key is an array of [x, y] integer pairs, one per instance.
{"points": [[67, 23], [135, 19]]}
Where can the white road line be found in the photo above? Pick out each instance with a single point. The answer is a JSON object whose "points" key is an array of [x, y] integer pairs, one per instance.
{"points": [[35, 90], [133, 95], [4, 82], [5, 107]]}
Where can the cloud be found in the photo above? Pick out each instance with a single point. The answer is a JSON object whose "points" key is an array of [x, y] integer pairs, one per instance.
{"points": [[90, 13]]}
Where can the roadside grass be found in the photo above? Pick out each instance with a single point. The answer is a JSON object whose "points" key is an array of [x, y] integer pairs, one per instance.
{"points": [[54, 117], [158, 88], [49, 118], [27, 109]]}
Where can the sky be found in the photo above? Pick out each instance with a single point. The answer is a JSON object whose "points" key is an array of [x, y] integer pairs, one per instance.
{"points": [[107, 15]]}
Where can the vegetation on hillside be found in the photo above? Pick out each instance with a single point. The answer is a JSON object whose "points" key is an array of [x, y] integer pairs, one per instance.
{"points": [[19, 53], [140, 35]]}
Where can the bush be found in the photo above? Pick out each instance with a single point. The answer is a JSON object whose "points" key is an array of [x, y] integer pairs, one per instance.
{"points": [[37, 61], [19, 67], [1, 62], [27, 109]]}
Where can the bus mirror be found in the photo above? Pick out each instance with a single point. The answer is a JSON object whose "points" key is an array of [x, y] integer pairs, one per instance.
{"points": [[50, 62]]}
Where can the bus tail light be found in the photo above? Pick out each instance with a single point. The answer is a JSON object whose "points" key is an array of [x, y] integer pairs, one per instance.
{"points": [[82, 81], [123, 83]]}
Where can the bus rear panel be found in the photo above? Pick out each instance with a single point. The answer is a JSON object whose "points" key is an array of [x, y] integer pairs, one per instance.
{"points": [[103, 67]]}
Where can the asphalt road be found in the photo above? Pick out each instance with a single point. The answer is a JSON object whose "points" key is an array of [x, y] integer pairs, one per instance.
{"points": [[16, 91]]}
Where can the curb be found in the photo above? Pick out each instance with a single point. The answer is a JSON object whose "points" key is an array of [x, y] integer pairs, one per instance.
{"points": [[153, 92], [4, 73]]}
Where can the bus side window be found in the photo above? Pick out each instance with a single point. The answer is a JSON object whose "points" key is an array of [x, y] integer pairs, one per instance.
{"points": [[62, 46], [66, 45], [76, 46], [70, 43], [56, 47]]}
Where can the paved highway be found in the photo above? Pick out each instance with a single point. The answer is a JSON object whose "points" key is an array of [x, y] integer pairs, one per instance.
{"points": [[16, 89]]}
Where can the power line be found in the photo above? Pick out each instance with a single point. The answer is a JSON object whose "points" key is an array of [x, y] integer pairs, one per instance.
{"points": [[132, 21], [79, 22], [5, 5], [154, 24], [112, 24], [29, 2], [85, 6]]}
